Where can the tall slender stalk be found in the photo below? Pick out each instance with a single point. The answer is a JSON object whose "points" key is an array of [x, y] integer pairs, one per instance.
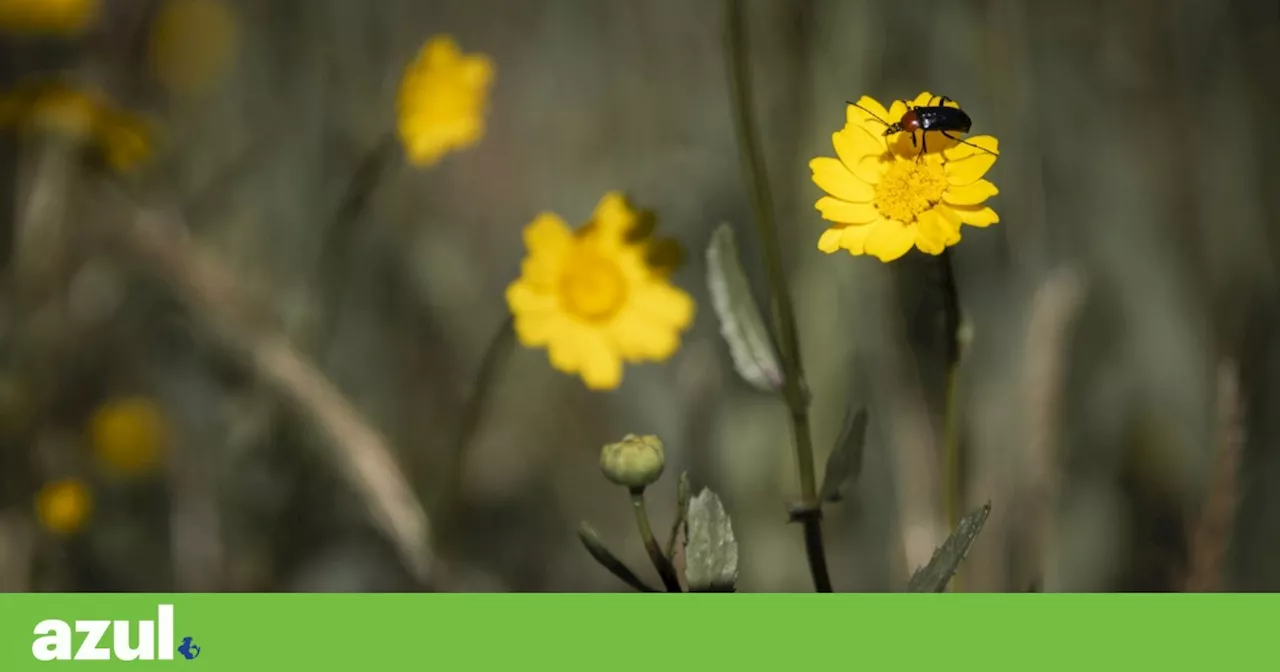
{"points": [[952, 490], [808, 512]]}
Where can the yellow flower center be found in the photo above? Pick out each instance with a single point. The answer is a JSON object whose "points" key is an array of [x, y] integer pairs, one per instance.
{"points": [[592, 286], [909, 188]]}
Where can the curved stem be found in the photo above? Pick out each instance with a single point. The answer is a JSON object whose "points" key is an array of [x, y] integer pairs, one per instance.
{"points": [[808, 512], [665, 570], [495, 354]]}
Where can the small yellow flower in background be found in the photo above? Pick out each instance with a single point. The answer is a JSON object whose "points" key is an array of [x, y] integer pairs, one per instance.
{"points": [[122, 138], [191, 43], [129, 435], [442, 101], [63, 506], [47, 16], [592, 297], [884, 198]]}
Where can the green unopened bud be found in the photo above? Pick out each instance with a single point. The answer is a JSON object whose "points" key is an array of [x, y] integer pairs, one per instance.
{"points": [[634, 462]]}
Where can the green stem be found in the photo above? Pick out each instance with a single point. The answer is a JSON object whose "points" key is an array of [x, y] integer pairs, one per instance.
{"points": [[951, 487], [808, 512], [496, 352], [665, 570], [951, 452]]}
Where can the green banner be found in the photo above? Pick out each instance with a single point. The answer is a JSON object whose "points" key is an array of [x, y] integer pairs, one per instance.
{"points": [[641, 632]]}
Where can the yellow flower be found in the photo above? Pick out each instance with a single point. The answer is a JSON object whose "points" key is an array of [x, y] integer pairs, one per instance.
{"points": [[592, 299], [442, 100], [122, 138], [884, 197], [47, 16], [129, 435], [191, 42], [63, 506]]}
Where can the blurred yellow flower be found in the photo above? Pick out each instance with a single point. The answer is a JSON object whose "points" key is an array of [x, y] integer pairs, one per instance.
{"points": [[442, 101], [592, 298], [129, 434], [122, 138], [63, 506], [191, 43], [883, 197], [47, 16]]}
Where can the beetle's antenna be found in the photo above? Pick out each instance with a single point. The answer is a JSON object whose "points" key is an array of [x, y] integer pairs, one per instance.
{"points": [[874, 116], [966, 142]]}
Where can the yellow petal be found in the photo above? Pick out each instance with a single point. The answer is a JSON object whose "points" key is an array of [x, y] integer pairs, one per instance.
{"points": [[664, 304], [829, 241], [970, 194], [896, 109], [547, 233], [523, 299], [889, 240], [441, 51], [978, 144], [871, 112], [968, 170], [476, 71], [639, 338], [934, 233], [871, 168], [836, 210], [854, 238], [832, 177], [563, 349], [949, 214], [613, 216], [601, 367], [924, 99], [536, 330], [854, 144], [980, 217]]}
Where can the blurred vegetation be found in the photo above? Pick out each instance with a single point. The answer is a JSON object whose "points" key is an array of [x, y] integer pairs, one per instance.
{"points": [[252, 292]]}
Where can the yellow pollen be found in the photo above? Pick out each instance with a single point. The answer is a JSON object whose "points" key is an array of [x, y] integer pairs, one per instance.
{"points": [[909, 188], [591, 286]]}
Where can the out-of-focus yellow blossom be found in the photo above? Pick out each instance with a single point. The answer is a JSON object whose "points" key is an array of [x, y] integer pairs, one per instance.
{"points": [[129, 435], [191, 43], [63, 506], [883, 197], [593, 298], [47, 16], [122, 138], [442, 101]]}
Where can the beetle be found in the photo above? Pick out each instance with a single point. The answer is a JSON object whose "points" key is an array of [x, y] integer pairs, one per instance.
{"points": [[925, 118]]}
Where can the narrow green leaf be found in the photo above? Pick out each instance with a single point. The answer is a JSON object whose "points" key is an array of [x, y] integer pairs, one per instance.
{"points": [[934, 577], [682, 512], [741, 323], [710, 550], [844, 464], [608, 560]]}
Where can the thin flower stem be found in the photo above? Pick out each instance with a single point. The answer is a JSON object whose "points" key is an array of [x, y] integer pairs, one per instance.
{"points": [[951, 486], [951, 451], [495, 355], [808, 512], [665, 570]]}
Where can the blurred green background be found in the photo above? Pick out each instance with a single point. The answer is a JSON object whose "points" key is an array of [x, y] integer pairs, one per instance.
{"points": [[1123, 355]]}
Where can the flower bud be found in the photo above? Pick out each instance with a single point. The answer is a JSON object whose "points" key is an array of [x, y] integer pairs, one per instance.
{"points": [[634, 462]]}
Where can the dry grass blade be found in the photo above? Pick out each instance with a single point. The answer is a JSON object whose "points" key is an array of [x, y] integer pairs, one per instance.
{"points": [[360, 451]]}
